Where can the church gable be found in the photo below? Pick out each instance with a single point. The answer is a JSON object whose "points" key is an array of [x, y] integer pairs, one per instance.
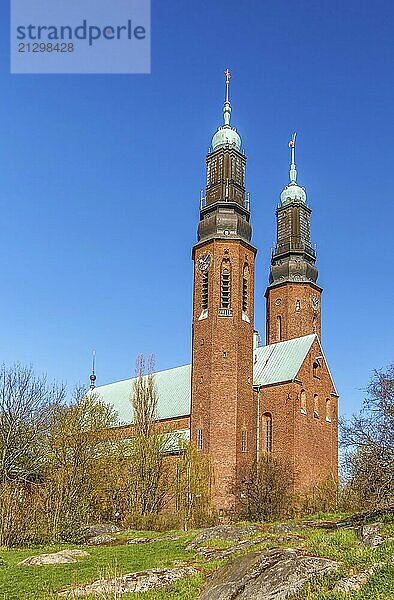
{"points": [[280, 362], [315, 372]]}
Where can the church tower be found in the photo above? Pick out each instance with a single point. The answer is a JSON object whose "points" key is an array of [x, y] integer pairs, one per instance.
{"points": [[293, 297], [222, 412]]}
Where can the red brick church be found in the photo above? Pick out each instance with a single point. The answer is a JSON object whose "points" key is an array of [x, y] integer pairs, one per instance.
{"points": [[237, 399]]}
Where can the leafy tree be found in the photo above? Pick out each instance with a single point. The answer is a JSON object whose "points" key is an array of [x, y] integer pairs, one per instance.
{"points": [[79, 460]]}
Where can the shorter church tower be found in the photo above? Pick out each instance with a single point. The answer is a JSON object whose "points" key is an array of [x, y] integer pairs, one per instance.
{"points": [[293, 297], [223, 413]]}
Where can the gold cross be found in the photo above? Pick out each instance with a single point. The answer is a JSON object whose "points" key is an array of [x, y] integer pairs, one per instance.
{"points": [[228, 75]]}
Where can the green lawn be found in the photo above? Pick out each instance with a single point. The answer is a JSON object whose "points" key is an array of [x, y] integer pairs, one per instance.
{"points": [[42, 583]]}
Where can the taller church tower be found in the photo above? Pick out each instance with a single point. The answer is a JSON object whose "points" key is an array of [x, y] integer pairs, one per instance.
{"points": [[293, 297], [222, 412]]}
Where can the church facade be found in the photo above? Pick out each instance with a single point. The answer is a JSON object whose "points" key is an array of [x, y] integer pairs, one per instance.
{"points": [[238, 400]]}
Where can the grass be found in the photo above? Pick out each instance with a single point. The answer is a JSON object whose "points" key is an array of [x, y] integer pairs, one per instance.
{"points": [[43, 583]]}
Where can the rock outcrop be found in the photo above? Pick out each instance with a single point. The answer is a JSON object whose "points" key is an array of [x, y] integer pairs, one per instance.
{"points": [[272, 575], [229, 533], [141, 581], [368, 535], [57, 558], [100, 529], [356, 582], [103, 540]]}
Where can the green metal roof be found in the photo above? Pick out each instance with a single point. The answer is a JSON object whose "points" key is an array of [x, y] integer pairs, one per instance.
{"points": [[281, 362], [275, 363], [173, 388]]}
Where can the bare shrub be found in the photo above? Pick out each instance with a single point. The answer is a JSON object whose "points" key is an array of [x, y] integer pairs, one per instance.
{"points": [[149, 477], [25, 404], [264, 489], [320, 497], [193, 488], [368, 440]]}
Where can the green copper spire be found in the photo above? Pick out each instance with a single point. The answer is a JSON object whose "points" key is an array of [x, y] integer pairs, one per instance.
{"points": [[293, 192], [226, 135]]}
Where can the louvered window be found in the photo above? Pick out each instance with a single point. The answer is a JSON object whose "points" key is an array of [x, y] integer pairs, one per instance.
{"points": [[245, 294], [204, 295], [225, 288], [199, 439], [244, 441]]}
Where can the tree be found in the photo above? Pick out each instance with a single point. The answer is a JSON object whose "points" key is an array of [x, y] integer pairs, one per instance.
{"points": [[263, 490], [25, 402], [369, 440], [79, 460], [193, 492], [149, 477]]}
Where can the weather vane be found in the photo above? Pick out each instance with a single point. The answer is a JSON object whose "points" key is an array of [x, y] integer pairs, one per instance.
{"points": [[293, 172]]}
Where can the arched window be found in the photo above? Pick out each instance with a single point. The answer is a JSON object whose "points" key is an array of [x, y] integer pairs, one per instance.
{"points": [[278, 328], [316, 406], [328, 410], [204, 293], [298, 306], [225, 288], [303, 402], [267, 432]]}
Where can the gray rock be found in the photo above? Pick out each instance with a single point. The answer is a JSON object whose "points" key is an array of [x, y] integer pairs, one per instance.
{"points": [[57, 558], [140, 540], [101, 540], [142, 581], [272, 575], [100, 529], [356, 582], [220, 553], [368, 534], [230, 533]]}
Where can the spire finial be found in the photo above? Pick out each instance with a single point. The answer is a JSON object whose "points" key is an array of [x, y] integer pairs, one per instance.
{"points": [[93, 374], [293, 171], [227, 106]]}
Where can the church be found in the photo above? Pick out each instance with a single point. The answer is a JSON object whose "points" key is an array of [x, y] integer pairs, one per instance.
{"points": [[238, 400]]}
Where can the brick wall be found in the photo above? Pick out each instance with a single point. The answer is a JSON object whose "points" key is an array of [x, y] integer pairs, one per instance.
{"points": [[298, 306], [308, 441], [222, 368]]}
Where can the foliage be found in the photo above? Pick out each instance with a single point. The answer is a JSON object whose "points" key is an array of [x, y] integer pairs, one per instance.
{"points": [[25, 404], [79, 447], [149, 477], [322, 497], [369, 440], [263, 490], [194, 481]]}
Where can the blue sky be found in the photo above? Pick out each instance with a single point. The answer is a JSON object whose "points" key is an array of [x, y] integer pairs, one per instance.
{"points": [[100, 177]]}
